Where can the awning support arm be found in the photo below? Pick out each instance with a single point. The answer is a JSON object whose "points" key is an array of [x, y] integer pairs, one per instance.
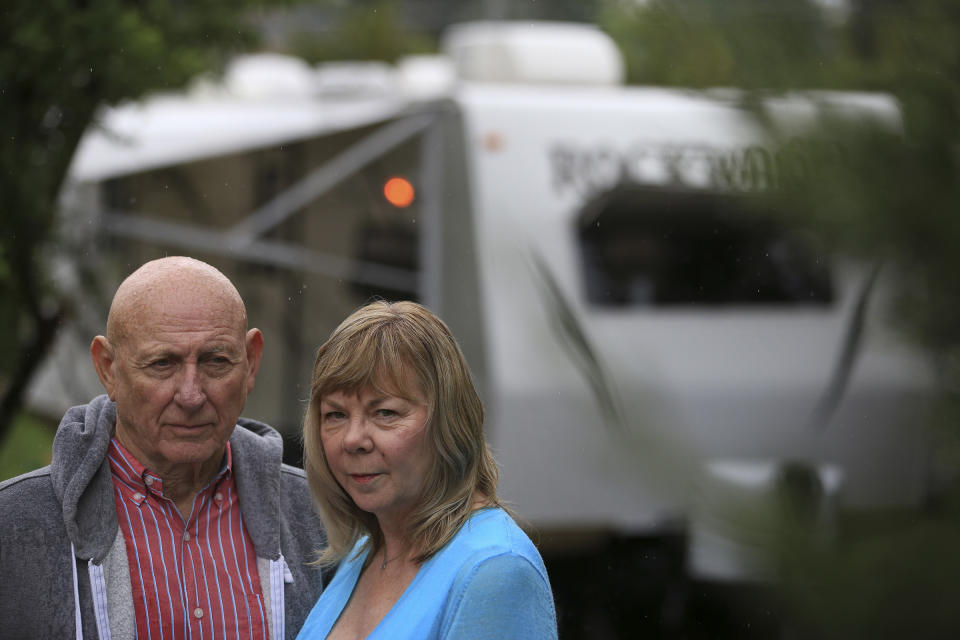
{"points": [[267, 252], [324, 178]]}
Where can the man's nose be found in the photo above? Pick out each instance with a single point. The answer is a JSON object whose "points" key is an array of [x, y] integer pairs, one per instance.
{"points": [[190, 388]]}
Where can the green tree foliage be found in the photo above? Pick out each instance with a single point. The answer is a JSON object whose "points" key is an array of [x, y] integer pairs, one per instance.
{"points": [[364, 31], [893, 199], [708, 43], [896, 199], [60, 61]]}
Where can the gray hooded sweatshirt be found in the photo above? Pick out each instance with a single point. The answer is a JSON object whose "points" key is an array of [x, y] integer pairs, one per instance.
{"points": [[63, 562]]}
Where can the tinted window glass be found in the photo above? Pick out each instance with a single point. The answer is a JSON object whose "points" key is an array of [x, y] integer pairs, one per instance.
{"points": [[655, 247]]}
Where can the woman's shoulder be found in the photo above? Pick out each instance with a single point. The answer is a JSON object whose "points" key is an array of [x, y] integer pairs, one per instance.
{"points": [[488, 533], [491, 532], [502, 587]]}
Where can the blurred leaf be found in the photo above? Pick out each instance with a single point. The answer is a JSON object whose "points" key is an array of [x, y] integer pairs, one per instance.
{"points": [[371, 31], [704, 43], [893, 575]]}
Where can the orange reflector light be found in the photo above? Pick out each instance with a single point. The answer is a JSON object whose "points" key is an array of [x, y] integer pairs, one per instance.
{"points": [[398, 192]]}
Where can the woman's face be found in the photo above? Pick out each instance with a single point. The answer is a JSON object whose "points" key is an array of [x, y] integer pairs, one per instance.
{"points": [[375, 444]]}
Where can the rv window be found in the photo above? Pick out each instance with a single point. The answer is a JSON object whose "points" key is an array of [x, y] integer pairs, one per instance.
{"points": [[388, 243], [646, 247]]}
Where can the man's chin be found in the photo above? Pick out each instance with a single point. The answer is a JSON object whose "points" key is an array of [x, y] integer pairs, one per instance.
{"points": [[187, 453]]}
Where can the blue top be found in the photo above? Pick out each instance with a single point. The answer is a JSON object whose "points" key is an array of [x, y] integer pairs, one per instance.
{"points": [[487, 582]]}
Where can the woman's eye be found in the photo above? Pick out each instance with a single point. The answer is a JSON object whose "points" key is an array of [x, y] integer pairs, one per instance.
{"points": [[386, 413], [330, 416]]}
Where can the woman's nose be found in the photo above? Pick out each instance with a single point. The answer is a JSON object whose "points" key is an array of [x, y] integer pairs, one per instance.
{"points": [[356, 438]]}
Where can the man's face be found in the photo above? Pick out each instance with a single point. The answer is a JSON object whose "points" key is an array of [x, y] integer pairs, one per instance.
{"points": [[180, 378]]}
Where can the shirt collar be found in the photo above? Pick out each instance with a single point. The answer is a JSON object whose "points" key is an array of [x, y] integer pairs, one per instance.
{"points": [[130, 471]]}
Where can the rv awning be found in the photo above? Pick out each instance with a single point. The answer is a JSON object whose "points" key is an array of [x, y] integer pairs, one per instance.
{"points": [[173, 129]]}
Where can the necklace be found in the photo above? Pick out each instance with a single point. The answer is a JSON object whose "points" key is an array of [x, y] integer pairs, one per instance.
{"points": [[385, 561]]}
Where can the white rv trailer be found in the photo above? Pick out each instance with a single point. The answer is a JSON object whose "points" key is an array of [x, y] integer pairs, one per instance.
{"points": [[630, 317]]}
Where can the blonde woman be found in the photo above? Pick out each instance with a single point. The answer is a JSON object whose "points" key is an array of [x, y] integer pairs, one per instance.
{"points": [[407, 489]]}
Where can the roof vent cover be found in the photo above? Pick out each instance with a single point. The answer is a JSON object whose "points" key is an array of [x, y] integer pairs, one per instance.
{"points": [[534, 52]]}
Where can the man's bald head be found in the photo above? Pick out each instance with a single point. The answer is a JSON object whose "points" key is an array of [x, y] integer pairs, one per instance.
{"points": [[178, 363], [166, 279]]}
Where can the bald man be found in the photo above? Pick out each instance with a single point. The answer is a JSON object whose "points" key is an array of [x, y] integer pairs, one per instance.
{"points": [[163, 513]]}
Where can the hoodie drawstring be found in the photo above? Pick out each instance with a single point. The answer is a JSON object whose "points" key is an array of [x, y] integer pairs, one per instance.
{"points": [[278, 574], [76, 593], [98, 587]]}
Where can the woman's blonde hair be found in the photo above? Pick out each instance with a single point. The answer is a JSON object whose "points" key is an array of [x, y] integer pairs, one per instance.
{"points": [[392, 347]]}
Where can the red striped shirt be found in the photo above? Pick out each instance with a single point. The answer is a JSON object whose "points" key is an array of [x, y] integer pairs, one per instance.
{"points": [[193, 579]]}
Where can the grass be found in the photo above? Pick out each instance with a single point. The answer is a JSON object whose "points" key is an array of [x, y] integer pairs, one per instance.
{"points": [[26, 446]]}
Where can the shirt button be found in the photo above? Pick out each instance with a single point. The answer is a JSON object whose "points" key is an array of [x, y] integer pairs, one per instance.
{"points": [[218, 497], [148, 480], [198, 613], [186, 538], [138, 496]]}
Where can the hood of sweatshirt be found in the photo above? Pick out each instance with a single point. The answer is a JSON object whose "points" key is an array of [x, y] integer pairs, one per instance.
{"points": [[81, 476]]}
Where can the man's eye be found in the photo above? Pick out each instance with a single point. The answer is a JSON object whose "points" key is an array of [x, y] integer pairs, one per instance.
{"points": [[160, 363]]}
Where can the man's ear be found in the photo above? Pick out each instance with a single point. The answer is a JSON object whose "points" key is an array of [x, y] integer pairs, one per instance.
{"points": [[254, 351], [103, 355]]}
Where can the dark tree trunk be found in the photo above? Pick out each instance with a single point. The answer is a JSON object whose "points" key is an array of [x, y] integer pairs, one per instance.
{"points": [[30, 356]]}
